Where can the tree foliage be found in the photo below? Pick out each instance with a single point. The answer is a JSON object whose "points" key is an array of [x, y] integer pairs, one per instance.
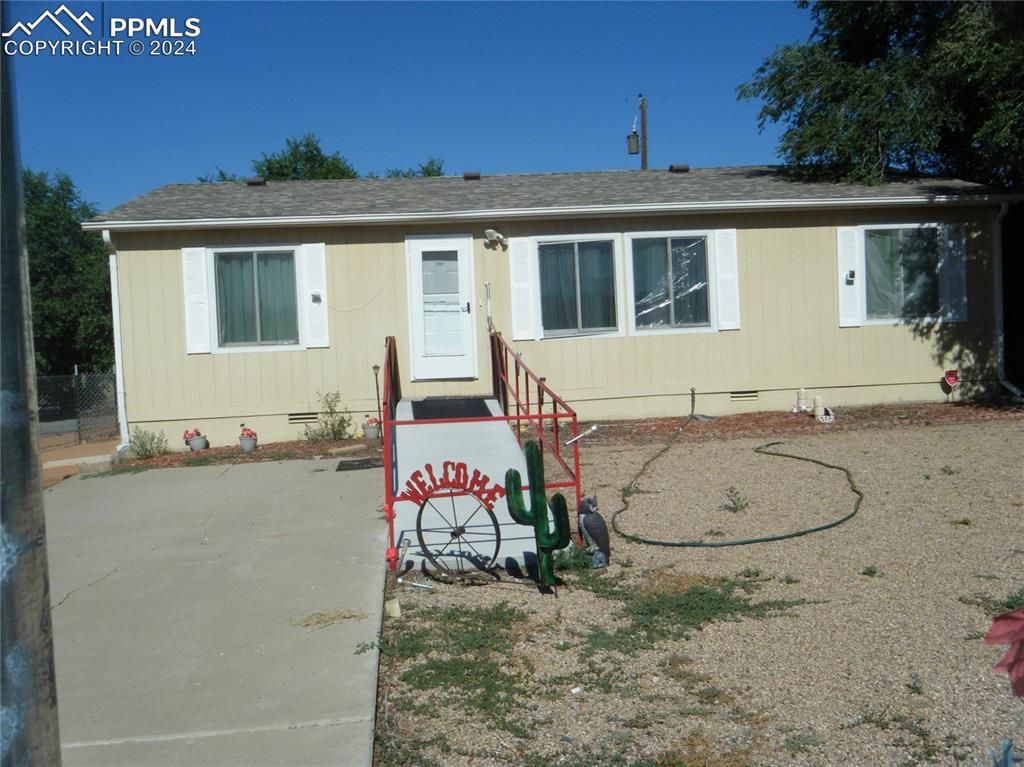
{"points": [[303, 158], [69, 276], [923, 87], [432, 167]]}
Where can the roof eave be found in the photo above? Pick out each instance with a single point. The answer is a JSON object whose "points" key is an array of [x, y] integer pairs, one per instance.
{"points": [[590, 211]]}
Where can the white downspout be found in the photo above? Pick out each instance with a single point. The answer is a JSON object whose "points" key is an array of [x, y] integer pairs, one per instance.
{"points": [[997, 280], [115, 308]]}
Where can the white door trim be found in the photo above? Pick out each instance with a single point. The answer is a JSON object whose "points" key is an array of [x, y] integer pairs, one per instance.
{"points": [[423, 368]]}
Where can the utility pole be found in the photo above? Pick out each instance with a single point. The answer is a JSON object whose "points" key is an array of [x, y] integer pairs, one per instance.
{"points": [[643, 132], [28, 687]]}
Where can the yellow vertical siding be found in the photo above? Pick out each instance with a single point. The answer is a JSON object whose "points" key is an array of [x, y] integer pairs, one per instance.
{"points": [[789, 335]]}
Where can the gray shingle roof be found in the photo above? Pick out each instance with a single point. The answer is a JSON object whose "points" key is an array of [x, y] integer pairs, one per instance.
{"points": [[403, 198]]}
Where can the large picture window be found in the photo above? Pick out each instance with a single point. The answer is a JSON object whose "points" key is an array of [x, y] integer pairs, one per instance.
{"points": [[256, 298], [577, 287], [902, 273], [670, 282]]}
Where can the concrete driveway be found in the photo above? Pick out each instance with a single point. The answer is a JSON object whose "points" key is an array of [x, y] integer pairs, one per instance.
{"points": [[177, 594]]}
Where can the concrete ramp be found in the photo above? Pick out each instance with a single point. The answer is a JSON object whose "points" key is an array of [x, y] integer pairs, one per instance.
{"points": [[452, 470]]}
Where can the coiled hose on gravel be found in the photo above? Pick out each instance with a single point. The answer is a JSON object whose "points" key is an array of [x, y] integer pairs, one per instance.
{"points": [[629, 489]]}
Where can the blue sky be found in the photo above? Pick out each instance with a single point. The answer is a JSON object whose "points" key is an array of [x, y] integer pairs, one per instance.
{"points": [[495, 87]]}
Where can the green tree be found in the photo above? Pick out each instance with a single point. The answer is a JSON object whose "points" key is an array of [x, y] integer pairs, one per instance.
{"points": [[69, 276], [924, 87], [432, 167], [220, 177], [303, 159]]}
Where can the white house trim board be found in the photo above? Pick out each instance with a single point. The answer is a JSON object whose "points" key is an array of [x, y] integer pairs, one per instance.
{"points": [[115, 310], [424, 217], [457, 311]]}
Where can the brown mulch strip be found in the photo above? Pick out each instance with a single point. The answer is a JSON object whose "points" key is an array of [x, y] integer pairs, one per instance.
{"points": [[779, 424], [272, 451]]}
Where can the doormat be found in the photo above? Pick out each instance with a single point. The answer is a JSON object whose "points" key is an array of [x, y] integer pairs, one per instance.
{"points": [[450, 407], [354, 464]]}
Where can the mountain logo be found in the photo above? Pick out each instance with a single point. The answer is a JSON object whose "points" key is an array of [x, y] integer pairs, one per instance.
{"points": [[63, 18]]}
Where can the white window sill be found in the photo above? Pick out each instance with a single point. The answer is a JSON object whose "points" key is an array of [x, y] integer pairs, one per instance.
{"points": [[911, 321], [584, 336], [673, 331], [260, 349]]}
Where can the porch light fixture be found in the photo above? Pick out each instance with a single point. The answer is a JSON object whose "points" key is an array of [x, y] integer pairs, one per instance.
{"points": [[376, 385], [493, 238]]}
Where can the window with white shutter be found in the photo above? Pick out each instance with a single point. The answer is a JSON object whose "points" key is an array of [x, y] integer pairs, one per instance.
{"points": [[893, 273], [683, 281], [255, 299]]}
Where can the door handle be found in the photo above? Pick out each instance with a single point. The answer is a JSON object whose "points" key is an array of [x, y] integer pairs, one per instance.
{"points": [[466, 310]]}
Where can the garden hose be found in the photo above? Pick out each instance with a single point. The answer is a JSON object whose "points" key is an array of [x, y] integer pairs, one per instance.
{"points": [[629, 489]]}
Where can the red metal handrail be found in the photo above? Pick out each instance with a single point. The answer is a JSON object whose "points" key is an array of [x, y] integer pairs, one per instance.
{"points": [[517, 392], [527, 392]]}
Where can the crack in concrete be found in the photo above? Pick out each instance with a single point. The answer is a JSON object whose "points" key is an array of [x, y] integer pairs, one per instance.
{"points": [[83, 588]]}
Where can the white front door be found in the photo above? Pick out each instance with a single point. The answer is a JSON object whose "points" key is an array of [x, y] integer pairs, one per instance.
{"points": [[441, 322]]}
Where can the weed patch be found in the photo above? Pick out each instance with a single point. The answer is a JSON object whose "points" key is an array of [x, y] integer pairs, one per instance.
{"points": [[913, 737], [735, 502], [802, 742], [462, 656], [671, 606], [870, 571]]}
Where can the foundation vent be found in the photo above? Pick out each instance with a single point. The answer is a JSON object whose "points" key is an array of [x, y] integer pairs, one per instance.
{"points": [[743, 396], [294, 418]]}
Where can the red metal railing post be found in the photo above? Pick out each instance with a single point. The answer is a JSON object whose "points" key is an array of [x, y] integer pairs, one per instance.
{"points": [[540, 410], [390, 376]]}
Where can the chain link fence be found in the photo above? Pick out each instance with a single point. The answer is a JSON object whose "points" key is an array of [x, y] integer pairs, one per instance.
{"points": [[82, 406]]}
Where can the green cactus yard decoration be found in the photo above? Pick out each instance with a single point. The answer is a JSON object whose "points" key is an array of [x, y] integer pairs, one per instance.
{"points": [[536, 516]]}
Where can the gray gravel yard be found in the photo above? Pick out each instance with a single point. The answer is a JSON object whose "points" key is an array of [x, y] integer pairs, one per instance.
{"points": [[860, 645]]}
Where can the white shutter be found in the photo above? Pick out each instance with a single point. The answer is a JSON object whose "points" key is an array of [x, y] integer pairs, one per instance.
{"points": [[521, 278], [953, 271], [727, 279], [314, 294], [850, 279], [197, 301]]}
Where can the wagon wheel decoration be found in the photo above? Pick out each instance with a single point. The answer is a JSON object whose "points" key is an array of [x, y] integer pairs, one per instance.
{"points": [[457, 532]]}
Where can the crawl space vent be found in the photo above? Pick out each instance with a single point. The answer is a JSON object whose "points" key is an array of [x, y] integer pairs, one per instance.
{"points": [[743, 396], [302, 417]]}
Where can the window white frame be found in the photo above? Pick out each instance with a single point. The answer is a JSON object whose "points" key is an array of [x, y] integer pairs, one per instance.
{"points": [[616, 240], [300, 307], [712, 269], [862, 230]]}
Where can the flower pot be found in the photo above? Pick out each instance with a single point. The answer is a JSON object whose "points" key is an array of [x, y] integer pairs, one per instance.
{"points": [[198, 443], [371, 432], [248, 444]]}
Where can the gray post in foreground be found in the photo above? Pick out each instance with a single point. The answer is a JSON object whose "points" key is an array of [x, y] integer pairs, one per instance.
{"points": [[28, 690]]}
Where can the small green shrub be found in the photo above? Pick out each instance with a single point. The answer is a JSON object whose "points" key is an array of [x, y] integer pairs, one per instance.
{"points": [[802, 742], [148, 444], [734, 500], [870, 571], [948, 470], [915, 684], [333, 423]]}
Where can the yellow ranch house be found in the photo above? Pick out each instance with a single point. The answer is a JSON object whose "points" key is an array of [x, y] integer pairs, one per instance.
{"points": [[242, 302]]}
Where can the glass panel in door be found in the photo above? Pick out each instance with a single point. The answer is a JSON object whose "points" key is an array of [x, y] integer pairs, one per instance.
{"points": [[442, 312]]}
